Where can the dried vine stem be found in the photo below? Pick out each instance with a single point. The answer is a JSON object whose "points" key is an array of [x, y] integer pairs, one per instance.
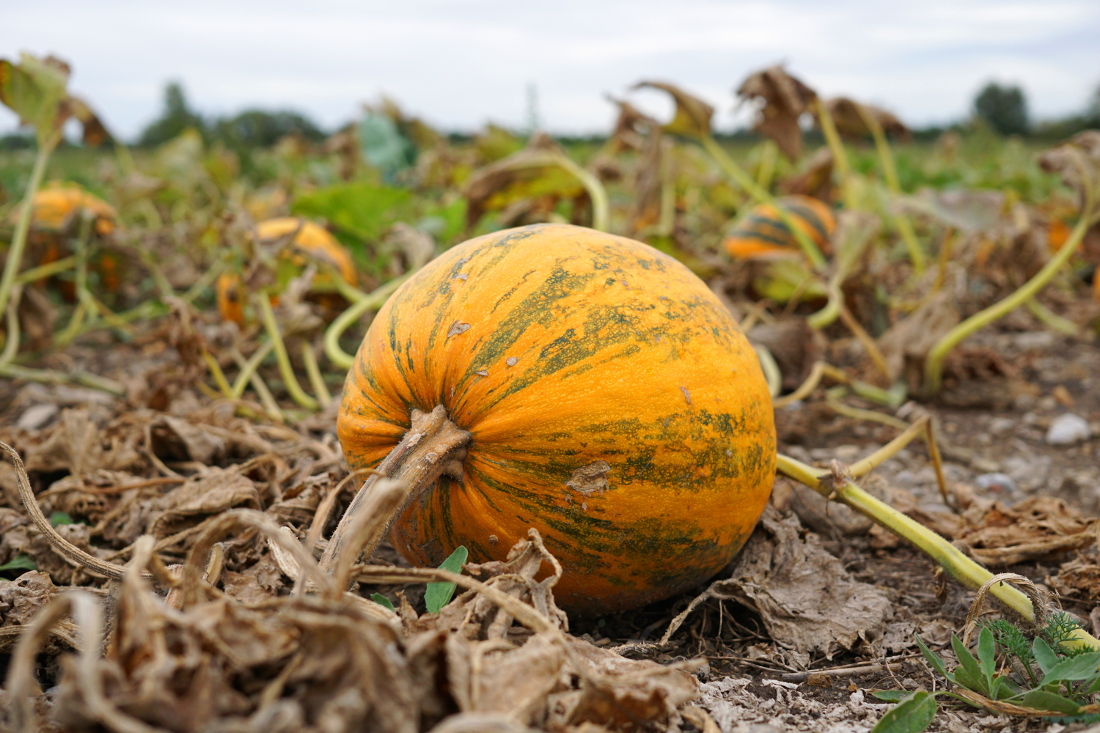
{"points": [[60, 545], [1039, 601], [526, 614], [433, 446], [22, 687]]}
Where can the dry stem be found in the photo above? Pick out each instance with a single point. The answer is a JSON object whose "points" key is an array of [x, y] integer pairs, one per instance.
{"points": [[433, 446]]}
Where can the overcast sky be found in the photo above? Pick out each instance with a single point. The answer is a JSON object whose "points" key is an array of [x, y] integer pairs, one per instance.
{"points": [[461, 63]]}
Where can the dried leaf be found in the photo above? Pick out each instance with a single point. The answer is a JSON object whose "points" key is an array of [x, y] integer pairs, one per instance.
{"points": [[22, 598], [850, 123], [906, 344], [815, 178], [209, 494], [693, 115], [1078, 163], [35, 90], [526, 186], [797, 587], [1034, 529], [783, 99]]}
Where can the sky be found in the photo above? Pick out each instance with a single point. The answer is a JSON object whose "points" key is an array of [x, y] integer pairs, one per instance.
{"points": [[459, 64]]}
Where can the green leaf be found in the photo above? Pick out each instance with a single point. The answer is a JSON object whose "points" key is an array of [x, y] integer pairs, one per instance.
{"points": [[35, 90], [1044, 655], [935, 660], [384, 146], [19, 562], [59, 518], [891, 695], [439, 595], [1044, 700], [987, 656], [381, 600], [1081, 667], [969, 673], [912, 715], [362, 210]]}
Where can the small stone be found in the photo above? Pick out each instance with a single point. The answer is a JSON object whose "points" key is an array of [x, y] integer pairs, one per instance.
{"points": [[846, 453], [1068, 429], [37, 416], [1030, 472], [905, 476], [1001, 425], [984, 465], [998, 483]]}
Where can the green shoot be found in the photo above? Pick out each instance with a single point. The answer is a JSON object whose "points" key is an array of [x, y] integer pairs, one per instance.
{"points": [[439, 595]]}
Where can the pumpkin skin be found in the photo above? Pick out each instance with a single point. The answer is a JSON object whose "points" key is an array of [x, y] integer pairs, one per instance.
{"points": [[763, 235], [559, 347]]}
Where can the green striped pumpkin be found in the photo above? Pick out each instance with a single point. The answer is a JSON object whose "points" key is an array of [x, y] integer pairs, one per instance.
{"points": [[761, 234], [613, 404]]}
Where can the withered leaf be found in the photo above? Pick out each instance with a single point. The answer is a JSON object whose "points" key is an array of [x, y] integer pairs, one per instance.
{"points": [[850, 122], [693, 115], [212, 493], [22, 598], [783, 99], [1078, 163], [797, 587], [529, 182]]}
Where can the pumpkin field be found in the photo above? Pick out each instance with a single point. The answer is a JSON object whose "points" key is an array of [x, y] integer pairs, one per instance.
{"points": [[394, 429]]}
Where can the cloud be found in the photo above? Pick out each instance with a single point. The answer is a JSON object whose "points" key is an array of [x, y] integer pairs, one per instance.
{"points": [[460, 63]]}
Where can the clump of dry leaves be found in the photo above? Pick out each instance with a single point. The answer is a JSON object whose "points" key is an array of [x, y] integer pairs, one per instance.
{"points": [[177, 654]]}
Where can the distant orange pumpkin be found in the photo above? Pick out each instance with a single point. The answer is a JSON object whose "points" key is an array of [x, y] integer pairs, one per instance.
{"points": [[761, 234], [311, 241]]}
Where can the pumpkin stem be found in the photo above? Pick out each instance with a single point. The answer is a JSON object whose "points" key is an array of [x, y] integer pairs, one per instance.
{"points": [[432, 447]]}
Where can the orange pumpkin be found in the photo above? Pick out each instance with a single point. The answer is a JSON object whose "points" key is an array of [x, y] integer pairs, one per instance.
{"points": [[611, 400], [311, 240], [54, 209], [56, 212], [761, 234], [230, 294]]}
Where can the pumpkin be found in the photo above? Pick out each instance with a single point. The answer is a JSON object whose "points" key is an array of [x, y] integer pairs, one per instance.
{"points": [[229, 291], [56, 208], [761, 234], [611, 402], [311, 240], [56, 212]]}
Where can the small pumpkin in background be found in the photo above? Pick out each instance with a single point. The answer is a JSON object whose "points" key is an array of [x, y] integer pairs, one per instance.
{"points": [[56, 214], [310, 241], [761, 234], [58, 207], [607, 399]]}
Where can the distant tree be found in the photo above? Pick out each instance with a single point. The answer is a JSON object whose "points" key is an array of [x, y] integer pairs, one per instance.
{"points": [[1003, 107], [176, 118], [261, 129], [1092, 111]]}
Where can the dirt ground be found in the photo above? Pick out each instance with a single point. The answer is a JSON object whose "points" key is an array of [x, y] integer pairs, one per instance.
{"points": [[81, 445]]}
